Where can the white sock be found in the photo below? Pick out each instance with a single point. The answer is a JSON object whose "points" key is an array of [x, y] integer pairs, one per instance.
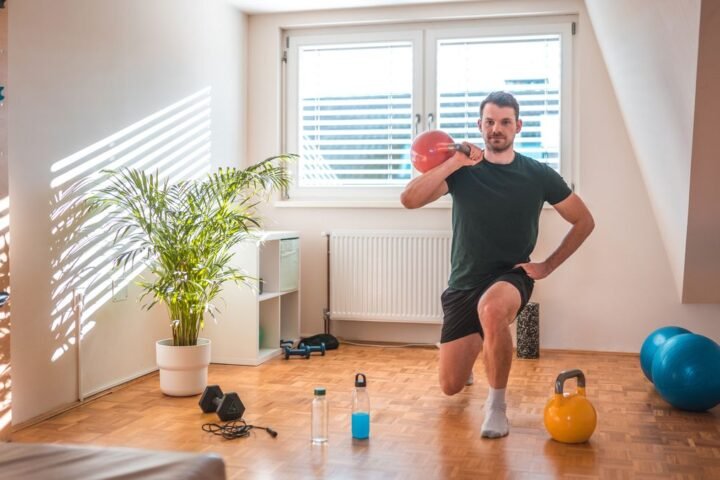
{"points": [[495, 398], [496, 423]]}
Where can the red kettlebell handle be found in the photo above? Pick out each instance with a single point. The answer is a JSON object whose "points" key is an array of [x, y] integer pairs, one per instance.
{"points": [[453, 147], [462, 148]]}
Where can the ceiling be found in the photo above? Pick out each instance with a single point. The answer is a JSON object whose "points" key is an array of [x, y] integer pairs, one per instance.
{"points": [[274, 6]]}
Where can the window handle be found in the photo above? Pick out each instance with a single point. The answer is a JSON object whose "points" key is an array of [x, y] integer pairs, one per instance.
{"points": [[416, 127], [430, 121]]}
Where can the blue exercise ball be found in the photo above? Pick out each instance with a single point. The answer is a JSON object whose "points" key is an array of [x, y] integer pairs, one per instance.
{"points": [[651, 344], [685, 370]]}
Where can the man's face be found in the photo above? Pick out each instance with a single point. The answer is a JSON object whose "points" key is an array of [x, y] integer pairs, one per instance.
{"points": [[499, 127]]}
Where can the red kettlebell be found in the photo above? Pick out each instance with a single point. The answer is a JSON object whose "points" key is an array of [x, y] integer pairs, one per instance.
{"points": [[431, 148]]}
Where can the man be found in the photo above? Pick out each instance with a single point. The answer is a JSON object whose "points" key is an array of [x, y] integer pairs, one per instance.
{"points": [[497, 198]]}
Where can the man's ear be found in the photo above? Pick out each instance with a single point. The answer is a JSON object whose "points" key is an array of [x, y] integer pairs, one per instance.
{"points": [[519, 126]]}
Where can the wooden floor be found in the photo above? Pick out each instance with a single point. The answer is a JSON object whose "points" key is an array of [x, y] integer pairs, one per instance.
{"points": [[416, 431]]}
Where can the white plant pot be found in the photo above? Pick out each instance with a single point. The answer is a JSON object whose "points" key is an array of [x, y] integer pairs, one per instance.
{"points": [[183, 370]]}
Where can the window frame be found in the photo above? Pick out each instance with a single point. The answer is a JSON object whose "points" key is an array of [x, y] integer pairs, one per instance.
{"points": [[423, 36]]}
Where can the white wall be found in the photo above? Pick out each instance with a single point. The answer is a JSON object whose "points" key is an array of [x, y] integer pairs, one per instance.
{"points": [[650, 48], [80, 71], [702, 257], [609, 296]]}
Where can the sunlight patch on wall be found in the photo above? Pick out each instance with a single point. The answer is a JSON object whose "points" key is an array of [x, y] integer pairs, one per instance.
{"points": [[5, 381], [6, 417], [4, 216], [4, 267], [175, 142]]}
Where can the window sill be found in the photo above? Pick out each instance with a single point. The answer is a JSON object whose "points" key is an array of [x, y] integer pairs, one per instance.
{"points": [[354, 204], [438, 204]]}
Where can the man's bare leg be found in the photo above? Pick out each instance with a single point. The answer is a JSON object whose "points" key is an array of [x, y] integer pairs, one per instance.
{"points": [[497, 309], [456, 362]]}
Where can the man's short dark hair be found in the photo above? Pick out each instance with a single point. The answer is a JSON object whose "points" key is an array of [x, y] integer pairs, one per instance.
{"points": [[501, 99]]}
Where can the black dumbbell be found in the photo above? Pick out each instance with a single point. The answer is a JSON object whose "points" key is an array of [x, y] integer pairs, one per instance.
{"points": [[314, 348], [303, 352], [228, 406], [286, 343]]}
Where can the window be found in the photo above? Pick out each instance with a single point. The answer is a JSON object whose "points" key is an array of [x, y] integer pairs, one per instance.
{"points": [[530, 71], [355, 110], [356, 100]]}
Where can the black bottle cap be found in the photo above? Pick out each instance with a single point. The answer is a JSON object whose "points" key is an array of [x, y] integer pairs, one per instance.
{"points": [[360, 380]]}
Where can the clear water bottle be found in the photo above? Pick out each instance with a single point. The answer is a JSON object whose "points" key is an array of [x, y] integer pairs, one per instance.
{"points": [[319, 420], [360, 408]]}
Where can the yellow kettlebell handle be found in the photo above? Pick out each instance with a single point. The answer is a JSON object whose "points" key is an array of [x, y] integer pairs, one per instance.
{"points": [[566, 375]]}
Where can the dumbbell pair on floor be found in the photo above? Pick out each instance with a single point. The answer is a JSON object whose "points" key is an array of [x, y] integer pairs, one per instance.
{"points": [[227, 406], [303, 349], [229, 409]]}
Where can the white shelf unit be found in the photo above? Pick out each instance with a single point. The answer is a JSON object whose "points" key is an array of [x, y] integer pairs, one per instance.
{"points": [[251, 324]]}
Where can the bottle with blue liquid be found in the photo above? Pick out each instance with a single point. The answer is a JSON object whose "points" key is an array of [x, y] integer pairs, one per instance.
{"points": [[360, 409]]}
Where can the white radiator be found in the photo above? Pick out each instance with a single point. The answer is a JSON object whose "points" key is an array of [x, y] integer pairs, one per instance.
{"points": [[388, 276]]}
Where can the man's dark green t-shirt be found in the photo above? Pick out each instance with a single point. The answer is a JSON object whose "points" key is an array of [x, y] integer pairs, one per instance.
{"points": [[495, 214]]}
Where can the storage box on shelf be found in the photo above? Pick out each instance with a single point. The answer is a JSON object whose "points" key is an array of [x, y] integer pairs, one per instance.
{"points": [[252, 321]]}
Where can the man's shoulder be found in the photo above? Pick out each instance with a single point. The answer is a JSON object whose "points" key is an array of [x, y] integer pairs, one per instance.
{"points": [[531, 165], [528, 161]]}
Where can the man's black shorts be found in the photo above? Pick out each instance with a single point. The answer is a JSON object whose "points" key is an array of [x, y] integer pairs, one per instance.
{"points": [[460, 315]]}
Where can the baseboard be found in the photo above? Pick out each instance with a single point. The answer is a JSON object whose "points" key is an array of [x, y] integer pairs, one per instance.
{"points": [[546, 350], [120, 382], [91, 397]]}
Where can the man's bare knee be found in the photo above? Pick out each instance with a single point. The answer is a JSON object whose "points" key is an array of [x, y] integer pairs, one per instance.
{"points": [[493, 317], [450, 387]]}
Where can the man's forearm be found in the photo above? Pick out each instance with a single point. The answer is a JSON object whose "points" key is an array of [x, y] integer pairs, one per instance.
{"points": [[422, 189], [572, 241]]}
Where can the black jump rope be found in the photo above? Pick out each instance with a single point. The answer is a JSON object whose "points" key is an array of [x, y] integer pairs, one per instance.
{"points": [[235, 429]]}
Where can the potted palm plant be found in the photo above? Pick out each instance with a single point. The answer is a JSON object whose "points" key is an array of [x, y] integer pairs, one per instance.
{"points": [[184, 233]]}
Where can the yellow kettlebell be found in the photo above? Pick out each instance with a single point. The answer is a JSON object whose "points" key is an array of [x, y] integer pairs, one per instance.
{"points": [[570, 417]]}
